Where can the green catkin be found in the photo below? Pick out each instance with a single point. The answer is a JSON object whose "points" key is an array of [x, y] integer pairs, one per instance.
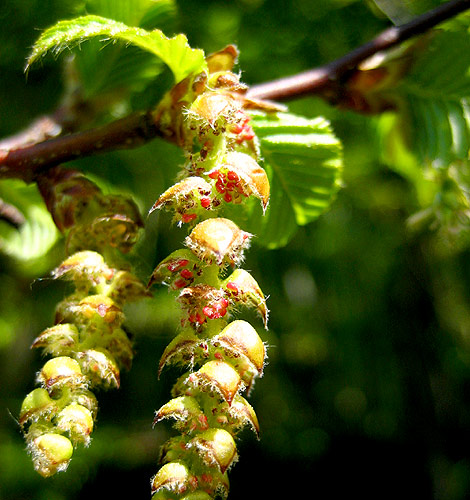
{"points": [[222, 356], [87, 344]]}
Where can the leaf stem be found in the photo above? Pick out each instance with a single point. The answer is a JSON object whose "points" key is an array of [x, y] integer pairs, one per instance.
{"points": [[28, 161]]}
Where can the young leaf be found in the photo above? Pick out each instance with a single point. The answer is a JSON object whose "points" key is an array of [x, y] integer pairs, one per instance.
{"points": [[435, 100], [174, 52], [431, 97], [303, 160], [115, 71], [36, 236], [143, 13]]}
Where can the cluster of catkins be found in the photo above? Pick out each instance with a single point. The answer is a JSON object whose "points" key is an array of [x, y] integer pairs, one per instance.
{"points": [[87, 344], [206, 116]]}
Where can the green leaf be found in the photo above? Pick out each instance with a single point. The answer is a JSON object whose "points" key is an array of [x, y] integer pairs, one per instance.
{"points": [[434, 100], [303, 160], [144, 13], [428, 140], [116, 70], [174, 52], [37, 235]]}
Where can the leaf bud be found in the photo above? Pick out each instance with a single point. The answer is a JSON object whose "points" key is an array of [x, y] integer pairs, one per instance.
{"points": [[51, 453], [84, 267], [61, 371], [37, 404], [242, 288], [125, 287], [219, 377], [218, 240], [216, 447], [68, 195], [240, 339], [175, 477], [241, 413], [84, 398], [177, 271], [77, 421], [187, 413], [114, 223], [202, 302], [240, 176], [100, 367], [222, 60], [181, 350], [98, 312], [185, 198], [58, 340], [212, 111]]}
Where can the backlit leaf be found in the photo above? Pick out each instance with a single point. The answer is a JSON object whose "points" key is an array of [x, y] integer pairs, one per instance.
{"points": [[36, 236], [303, 160], [174, 52]]}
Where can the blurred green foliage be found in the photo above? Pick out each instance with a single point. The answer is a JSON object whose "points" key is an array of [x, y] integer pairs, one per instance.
{"points": [[367, 387]]}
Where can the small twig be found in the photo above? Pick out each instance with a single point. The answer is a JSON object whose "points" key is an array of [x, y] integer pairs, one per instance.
{"points": [[129, 132], [315, 81]]}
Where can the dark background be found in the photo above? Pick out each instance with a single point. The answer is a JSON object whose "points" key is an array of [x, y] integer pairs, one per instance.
{"points": [[366, 390]]}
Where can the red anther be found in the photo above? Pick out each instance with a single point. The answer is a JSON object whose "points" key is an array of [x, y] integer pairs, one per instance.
{"points": [[186, 273], [205, 202], [180, 283], [203, 422], [214, 174], [109, 274], [177, 265], [232, 176], [220, 187], [249, 134], [228, 197], [192, 318], [218, 309], [220, 304], [230, 186], [206, 478], [188, 217], [200, 318], [209, 312], [237, 128], [222, 419], [233, 287], [218, 355]]}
